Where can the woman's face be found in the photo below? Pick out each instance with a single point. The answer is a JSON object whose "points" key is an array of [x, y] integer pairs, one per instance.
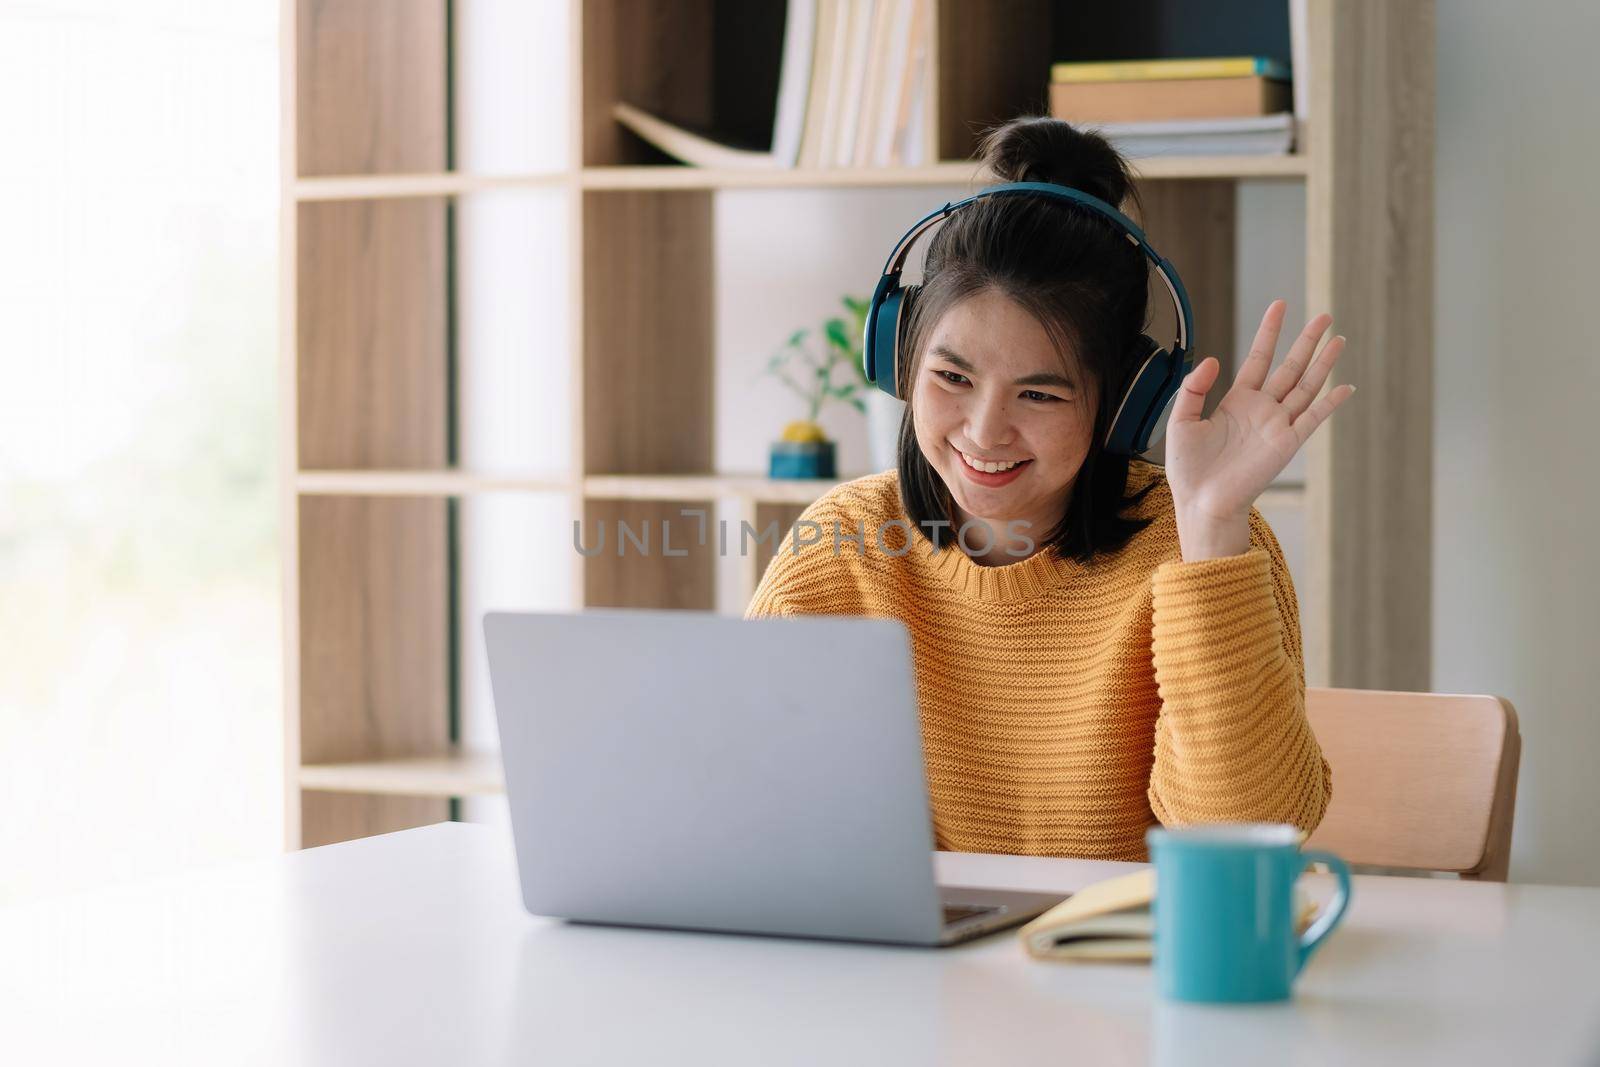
{"points": [[991, 388]]}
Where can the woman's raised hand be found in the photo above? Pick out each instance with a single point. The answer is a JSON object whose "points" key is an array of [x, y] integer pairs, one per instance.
{"points": [[1218, 466]]}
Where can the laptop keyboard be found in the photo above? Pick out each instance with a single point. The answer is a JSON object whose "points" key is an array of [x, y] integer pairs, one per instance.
{"points": [[954, 913]]}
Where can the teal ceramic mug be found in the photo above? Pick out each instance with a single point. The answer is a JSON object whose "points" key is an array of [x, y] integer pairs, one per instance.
{"points": [[1224, 910]]}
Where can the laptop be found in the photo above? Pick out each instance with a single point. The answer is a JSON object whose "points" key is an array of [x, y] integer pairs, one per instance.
{"points": [[697, 771]]}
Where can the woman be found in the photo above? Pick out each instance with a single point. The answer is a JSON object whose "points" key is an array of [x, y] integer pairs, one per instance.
{"points": [[1112, 644]]}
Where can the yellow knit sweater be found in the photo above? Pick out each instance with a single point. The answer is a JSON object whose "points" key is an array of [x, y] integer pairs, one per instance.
{"points": [[1066, 708]]}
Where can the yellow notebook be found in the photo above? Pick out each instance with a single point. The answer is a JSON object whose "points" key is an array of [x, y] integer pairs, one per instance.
{"points": [[1154, 69], [1111, 920]]}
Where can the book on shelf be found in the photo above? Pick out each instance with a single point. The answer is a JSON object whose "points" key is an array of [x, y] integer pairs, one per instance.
{"points": [[857, 60], [855, 89], [891, 85], [1112, 920], [878, 113], [1259, 135], [1168, 98], [1186, 69], [794, 76], [912, 139], [822, 84], [886, 26]]}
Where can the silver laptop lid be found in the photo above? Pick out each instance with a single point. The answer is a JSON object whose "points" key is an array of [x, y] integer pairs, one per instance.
{"points": [[673, 768]]}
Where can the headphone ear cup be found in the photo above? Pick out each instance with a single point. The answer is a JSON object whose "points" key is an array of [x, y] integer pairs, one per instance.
{"points": [[1148, 395], [886, 335], [902, 340], [878, 351]]}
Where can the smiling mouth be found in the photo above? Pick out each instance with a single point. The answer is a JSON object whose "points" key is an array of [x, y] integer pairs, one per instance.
{"points": [[991, 466]]}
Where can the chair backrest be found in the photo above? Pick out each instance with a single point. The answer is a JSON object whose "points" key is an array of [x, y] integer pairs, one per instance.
{"points": [[1425, 781]]}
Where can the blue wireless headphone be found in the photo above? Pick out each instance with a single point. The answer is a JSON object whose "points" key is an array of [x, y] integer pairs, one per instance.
{"points": [[1151, 389]]}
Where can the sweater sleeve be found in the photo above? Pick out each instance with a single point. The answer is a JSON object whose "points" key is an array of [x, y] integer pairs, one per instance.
{"points": [[796, 570], [769, 599], [1232, 742]]}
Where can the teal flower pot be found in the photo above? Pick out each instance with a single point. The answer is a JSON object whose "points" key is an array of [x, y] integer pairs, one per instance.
{"points": [[802, 459]]}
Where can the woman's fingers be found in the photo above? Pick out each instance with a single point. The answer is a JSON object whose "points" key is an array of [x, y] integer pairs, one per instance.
{"points": [[1191, 398], [1294, 364], [1253, 371], [1318, 412], [1310, 384]]}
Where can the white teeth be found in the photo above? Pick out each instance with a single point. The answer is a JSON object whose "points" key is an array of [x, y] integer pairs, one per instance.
{"points": [[987, 467]]}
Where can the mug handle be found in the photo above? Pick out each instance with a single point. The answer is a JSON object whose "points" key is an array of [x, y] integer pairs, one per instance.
{"points": [[1312, 938]]}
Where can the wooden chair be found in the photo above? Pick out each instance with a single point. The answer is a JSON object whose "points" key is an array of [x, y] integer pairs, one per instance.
{"points": [[1421, 781]]}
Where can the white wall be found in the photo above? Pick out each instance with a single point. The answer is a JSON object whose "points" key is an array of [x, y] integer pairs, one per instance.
{"points": [[1516, 586], [1270, 262]]}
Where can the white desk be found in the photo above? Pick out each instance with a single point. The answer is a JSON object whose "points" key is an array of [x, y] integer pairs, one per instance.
{"points": [[413, 949]]}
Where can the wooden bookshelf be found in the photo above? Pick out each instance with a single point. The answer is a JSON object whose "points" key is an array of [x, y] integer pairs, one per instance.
{"points": [[394, 186], [669, 177], [689, 486], [454, 483], [448, 774], [369, 367], [379, 187]]}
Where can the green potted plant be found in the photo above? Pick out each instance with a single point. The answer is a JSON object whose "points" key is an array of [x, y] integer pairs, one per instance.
{"points": [[834, 374]]}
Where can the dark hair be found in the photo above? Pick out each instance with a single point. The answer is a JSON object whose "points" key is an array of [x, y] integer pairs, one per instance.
{"points": [[1076, 273]]}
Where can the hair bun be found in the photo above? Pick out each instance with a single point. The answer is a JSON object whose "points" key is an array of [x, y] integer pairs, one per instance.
{"points": [[1038, 148]]}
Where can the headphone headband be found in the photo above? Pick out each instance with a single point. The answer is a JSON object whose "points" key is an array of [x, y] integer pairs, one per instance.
{"points": [[1180, 298]]}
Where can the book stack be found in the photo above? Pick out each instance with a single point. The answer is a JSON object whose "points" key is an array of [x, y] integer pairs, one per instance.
{"points": [[1226, 105], [856, 89], [1143, 90]]}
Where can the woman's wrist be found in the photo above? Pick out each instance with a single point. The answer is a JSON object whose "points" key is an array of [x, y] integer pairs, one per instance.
{"points": [[1202, 536]]}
